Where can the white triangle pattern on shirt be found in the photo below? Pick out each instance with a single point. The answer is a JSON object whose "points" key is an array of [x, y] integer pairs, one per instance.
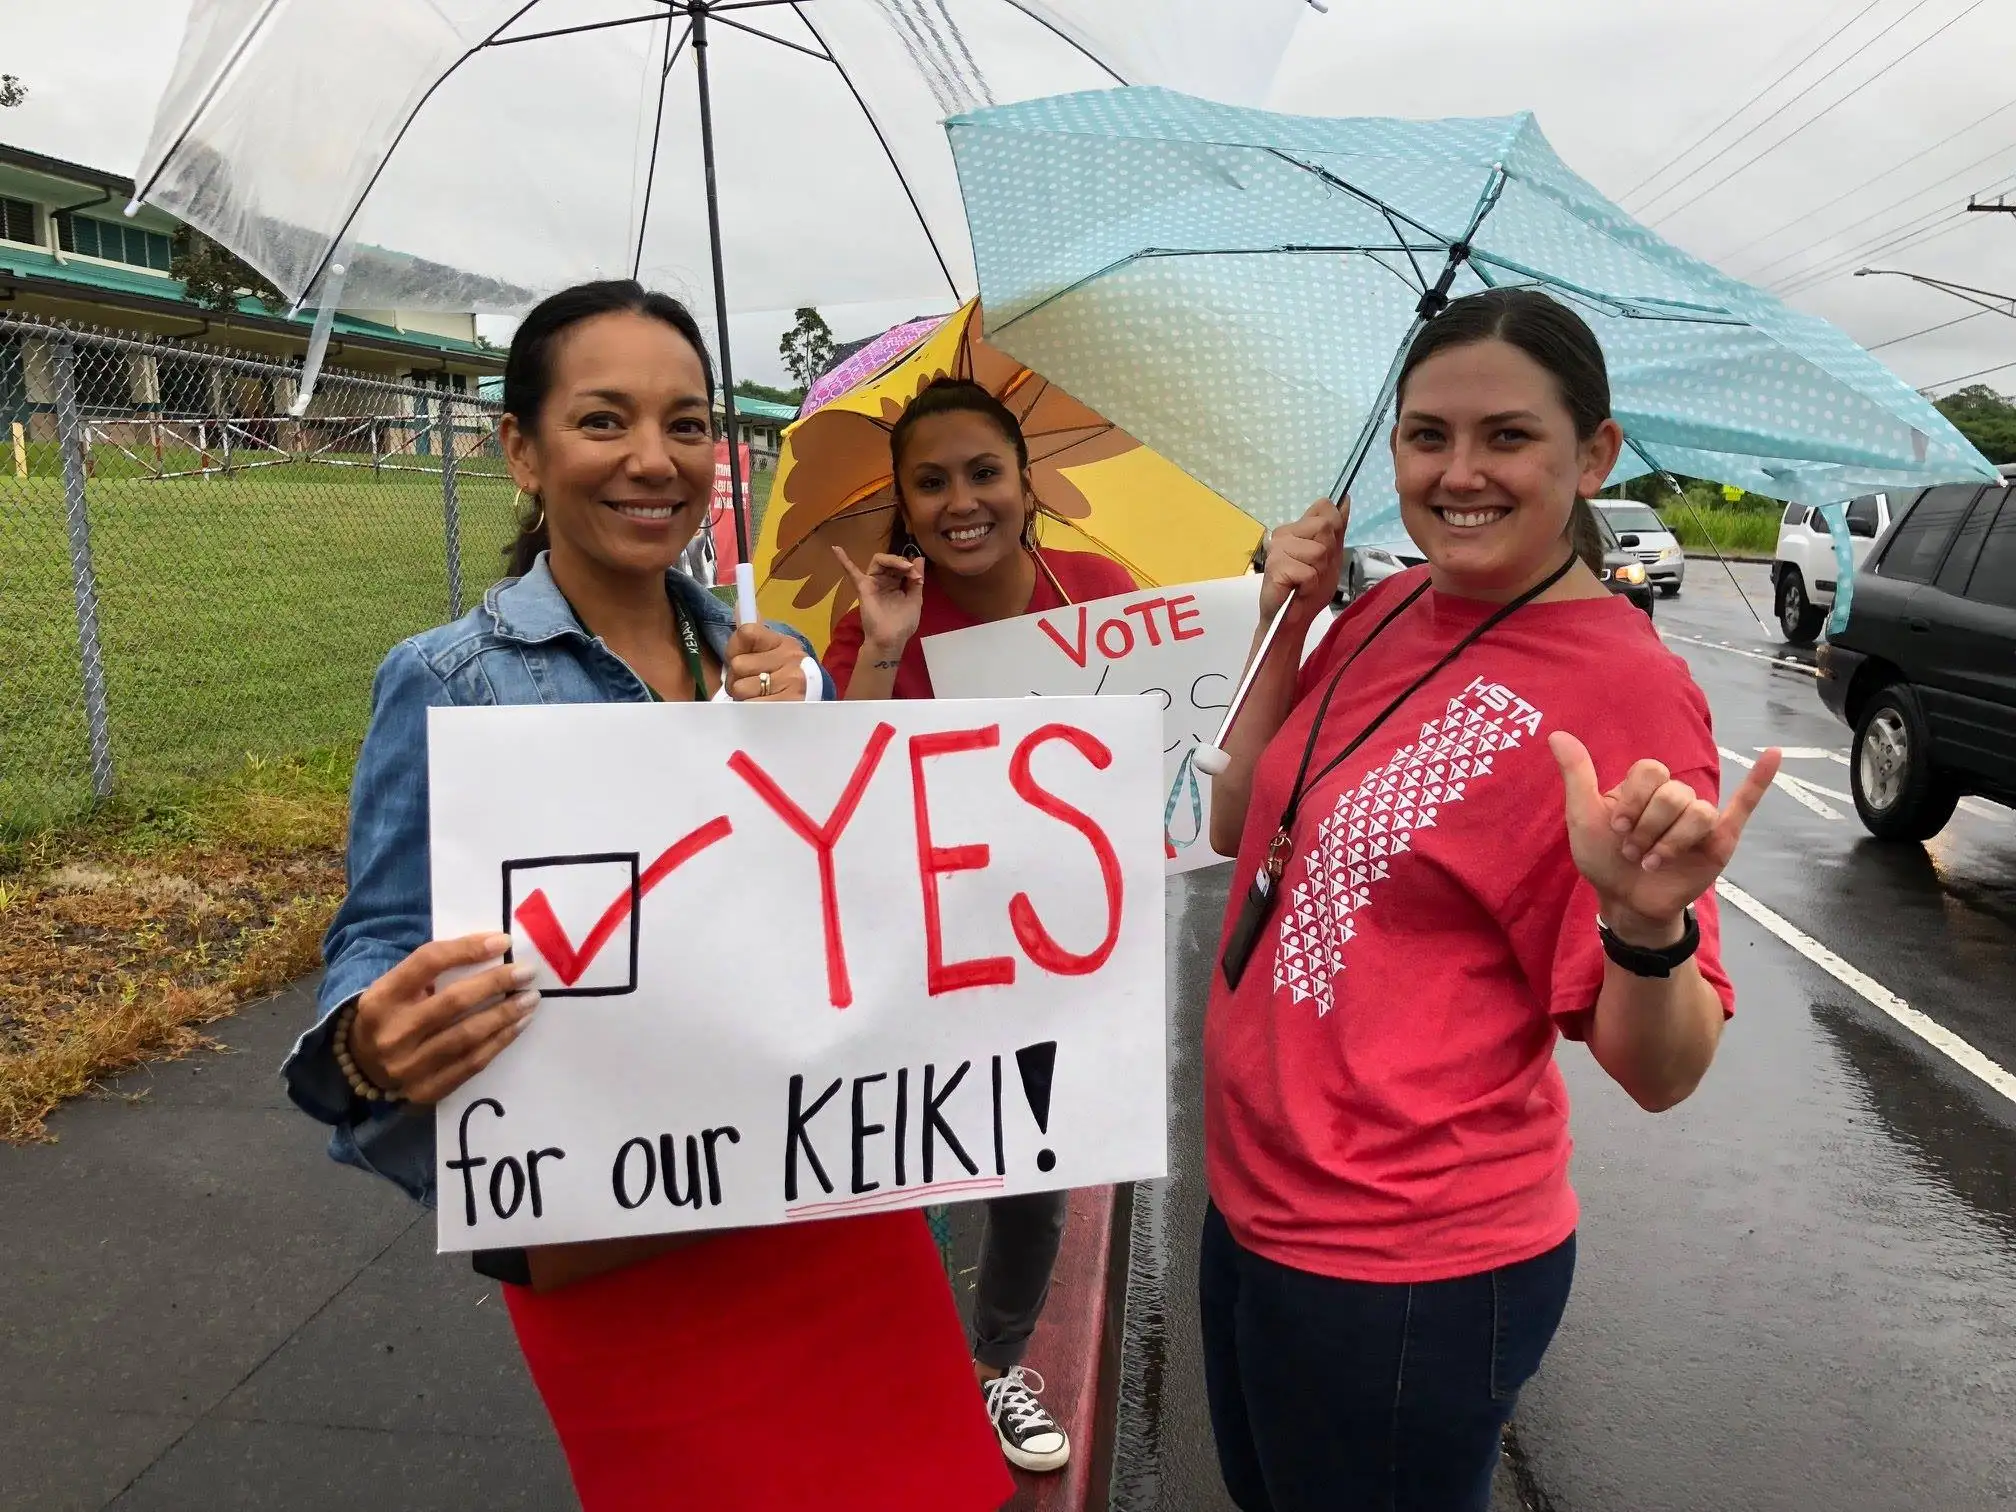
{"points": [[1372, 824]]}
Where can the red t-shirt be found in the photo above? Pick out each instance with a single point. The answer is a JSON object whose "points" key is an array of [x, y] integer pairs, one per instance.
{"points": [[1381, 1101], [1083, 575]]}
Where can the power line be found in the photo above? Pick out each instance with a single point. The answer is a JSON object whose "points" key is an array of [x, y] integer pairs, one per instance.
{"points": [[1702, 140], [1828, 272], [1916, 194], [1927, 331], [1945, 382], [1847, 262], [1824, 113], [1942, 221], [1797, 220], [1916, 233], [1711, 162]]}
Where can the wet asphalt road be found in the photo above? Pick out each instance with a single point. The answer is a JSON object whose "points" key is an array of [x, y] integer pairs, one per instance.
{"points": [[1798, 1290]]}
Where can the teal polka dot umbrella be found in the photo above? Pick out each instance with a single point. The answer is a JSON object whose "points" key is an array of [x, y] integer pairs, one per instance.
{"points": [[1234, 287]]}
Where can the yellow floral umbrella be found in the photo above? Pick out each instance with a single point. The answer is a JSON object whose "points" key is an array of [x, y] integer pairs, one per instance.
{"points": [[1099, 489]]}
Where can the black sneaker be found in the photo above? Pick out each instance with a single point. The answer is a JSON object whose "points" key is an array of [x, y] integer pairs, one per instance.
{"points": [[1030, 1437]]}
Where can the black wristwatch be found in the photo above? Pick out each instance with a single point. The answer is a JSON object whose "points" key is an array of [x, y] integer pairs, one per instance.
{"points": [[1653, 963]]}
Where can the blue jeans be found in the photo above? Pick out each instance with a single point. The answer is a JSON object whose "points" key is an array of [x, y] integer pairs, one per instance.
{"points": [[1360, 1396]]}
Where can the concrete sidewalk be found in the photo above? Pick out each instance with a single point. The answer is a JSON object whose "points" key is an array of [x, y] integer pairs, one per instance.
{"points": [[203, 1312]]}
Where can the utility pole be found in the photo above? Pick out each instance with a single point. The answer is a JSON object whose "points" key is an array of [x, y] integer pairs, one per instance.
{"points": [[2000, 205]]}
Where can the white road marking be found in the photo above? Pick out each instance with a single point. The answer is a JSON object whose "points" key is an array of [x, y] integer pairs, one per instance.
{"points": [[1814, 787], [1792, 787], [1935, 1034], [1974, 806], [1771, 661]]}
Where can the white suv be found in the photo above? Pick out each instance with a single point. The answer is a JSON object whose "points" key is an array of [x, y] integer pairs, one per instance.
{"points": [[1641, 532], [1802, 568]]}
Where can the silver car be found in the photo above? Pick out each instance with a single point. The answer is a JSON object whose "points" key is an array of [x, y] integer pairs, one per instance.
{"points": [[1641, 532]]}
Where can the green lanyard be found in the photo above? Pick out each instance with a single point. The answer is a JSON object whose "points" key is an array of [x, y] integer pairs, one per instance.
{"points": [[689, 642]]}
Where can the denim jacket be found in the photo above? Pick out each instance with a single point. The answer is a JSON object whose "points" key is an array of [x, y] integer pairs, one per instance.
{"points": [[521, 645]]}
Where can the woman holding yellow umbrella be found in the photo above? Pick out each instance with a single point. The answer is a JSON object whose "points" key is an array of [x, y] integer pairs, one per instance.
{"points": [[1102, 490], [962, 551]]}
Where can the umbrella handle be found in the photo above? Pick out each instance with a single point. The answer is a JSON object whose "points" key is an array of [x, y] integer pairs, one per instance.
{"points": [[745, 593], [1212, 759]]}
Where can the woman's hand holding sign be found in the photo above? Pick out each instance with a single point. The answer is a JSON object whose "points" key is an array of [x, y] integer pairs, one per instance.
{"points": [[419, 1042], [763, 666], [1651, 847]]}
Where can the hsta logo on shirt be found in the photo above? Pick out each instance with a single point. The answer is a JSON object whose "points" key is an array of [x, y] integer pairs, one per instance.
{"points": [[1377, 820], [1500, 699]]}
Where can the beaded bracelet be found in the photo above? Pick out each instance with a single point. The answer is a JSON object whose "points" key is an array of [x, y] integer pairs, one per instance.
{"points": [[360, 1084]]}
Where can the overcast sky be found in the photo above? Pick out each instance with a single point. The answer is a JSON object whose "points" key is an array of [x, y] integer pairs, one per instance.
{"points": [[1620, 87]]}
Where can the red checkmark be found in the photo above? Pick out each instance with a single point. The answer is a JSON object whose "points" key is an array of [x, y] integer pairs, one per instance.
{"points": [[535, 914]]}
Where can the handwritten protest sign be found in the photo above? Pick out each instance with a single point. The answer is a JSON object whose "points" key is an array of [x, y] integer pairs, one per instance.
{"points": [[801, 961], [1183, 646]]}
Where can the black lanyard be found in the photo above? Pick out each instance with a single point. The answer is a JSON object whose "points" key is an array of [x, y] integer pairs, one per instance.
{"points": [[1264, 894]]}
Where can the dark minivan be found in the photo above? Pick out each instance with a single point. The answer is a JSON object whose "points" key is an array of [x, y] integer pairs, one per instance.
{"points": [[1925, 673]]}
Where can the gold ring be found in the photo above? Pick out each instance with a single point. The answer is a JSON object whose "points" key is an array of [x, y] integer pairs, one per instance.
{"points": [[762, 684]]}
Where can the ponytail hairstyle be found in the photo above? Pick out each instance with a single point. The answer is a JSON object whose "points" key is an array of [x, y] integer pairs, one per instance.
{"points": [[1561, 342], [528, 373], [953, 396]]}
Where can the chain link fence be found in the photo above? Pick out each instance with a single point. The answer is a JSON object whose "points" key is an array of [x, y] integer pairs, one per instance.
{"points": [[190, 575]]}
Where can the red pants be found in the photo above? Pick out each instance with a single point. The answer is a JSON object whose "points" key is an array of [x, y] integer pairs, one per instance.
{"points": [[812, 1365]]}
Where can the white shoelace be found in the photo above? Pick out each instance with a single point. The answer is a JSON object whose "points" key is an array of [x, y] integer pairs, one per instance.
{"points": [[1014, 1396]]}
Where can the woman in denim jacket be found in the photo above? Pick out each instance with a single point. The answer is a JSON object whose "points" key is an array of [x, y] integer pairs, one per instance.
{"points": [[689, 1370]]}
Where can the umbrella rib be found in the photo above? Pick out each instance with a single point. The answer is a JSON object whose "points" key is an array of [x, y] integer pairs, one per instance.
{"points": [[657, 129], [1076, 44], [1673, 483], [404, 126], [798, 9], [568, 31], [1629, 308], [141, 191], [1147, 252], [757, 31], [1363, 196]]}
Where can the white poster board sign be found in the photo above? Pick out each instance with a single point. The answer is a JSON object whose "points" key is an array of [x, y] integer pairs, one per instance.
{"points": [[1185, 647], [802, 961]]}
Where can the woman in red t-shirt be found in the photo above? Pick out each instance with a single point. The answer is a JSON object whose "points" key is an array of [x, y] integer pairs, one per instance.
{"points": [[1419, 915], [963, 552]]}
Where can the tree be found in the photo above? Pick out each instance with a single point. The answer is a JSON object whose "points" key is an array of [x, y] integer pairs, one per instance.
{"points": [[1986, 418], [216, 278], [807, 348], [12, 90]]}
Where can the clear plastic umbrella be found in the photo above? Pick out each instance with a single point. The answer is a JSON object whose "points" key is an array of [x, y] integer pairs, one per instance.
{"points": [[747, 154]]}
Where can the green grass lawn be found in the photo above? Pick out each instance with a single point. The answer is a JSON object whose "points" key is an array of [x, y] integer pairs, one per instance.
{"points": [[1746, 529], [238, 616]]}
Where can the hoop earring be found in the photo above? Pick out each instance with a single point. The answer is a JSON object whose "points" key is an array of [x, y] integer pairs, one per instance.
{"points": [[1029, 526], [525, 526]]}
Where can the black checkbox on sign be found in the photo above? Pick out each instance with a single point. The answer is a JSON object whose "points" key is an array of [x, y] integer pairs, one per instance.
{"points": [[575, 919]]}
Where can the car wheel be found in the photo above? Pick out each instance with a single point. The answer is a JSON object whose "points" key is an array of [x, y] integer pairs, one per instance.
{"points": [[1669, 590], [1899, 793], [1798, 620]]}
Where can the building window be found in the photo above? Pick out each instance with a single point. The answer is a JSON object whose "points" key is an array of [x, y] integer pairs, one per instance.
{"points": [[17, 221], [114, 242]]}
